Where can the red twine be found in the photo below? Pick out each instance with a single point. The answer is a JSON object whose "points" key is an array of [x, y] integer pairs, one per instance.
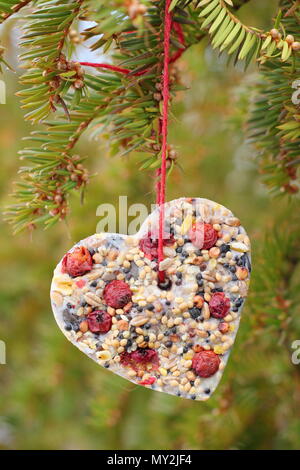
{"points": [[164, 134], [114, 68], [163, 124]]}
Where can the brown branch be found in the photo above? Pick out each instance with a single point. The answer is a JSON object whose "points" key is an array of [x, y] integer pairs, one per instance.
{"points": [[14, 9], [293, 8]]}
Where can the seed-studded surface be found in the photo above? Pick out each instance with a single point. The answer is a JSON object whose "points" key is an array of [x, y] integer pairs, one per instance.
{"points": [[174, 338]]}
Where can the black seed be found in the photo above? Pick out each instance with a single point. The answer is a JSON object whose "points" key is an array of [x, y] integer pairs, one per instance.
{"points": [[184, 254], [224, 248], [146, 338], [217, 289], [187, 240], [129, 343], [106, 365], [234, 278], [179, 249], [226, 266], [93, 284], [195, 312], [193, 397], [207, 391], [168, 302], [150, 307], [167, 333], [169, 344], [199, 276], [140, 309], [147, 326], [179, 275], [165, 285], [68, 327], [92, 251], [178, 283], [198, 252], [246, 261], [185, 349], [232, 269]]}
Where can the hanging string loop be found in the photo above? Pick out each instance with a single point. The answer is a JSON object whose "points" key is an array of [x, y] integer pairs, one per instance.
{"points": [[161, 187]]}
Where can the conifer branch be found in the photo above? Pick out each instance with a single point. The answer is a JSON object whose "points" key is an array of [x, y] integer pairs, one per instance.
{"points": [[71, 99], [274, 123], [10, 7]]}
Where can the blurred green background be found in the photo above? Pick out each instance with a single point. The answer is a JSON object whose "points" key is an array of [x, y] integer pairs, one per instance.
{"points": [[52, 396]]}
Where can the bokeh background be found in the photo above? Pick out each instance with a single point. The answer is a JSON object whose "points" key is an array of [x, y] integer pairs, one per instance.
{"points": [[52, 396]]}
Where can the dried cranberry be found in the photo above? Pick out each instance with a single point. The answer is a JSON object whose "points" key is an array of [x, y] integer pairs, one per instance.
{"points": [[99, 321], [77, 262], [145, 356], [149, 244], [203, 236], [149, 381], [219, 305], [117, 294], [205, 363], [140, 358]]}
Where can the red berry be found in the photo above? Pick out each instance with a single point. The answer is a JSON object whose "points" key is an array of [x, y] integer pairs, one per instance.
{"points": [[203, 236], [219, 305], [148, 247], [140, 358], [149, 381], [145, 356], [149, 244], [205, 363], [77, 262], [99, 321], [117, 294]]}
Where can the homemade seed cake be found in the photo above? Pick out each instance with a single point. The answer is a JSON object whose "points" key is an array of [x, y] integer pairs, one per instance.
{"points": [[175, 337]]}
